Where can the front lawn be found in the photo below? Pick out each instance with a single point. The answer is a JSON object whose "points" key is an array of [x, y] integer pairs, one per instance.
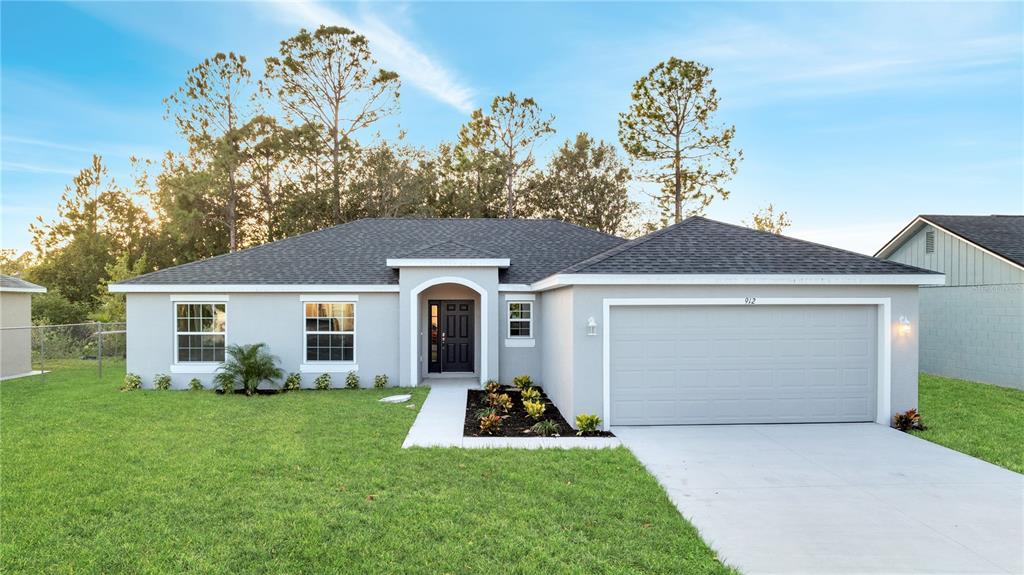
{"points": [[98, 481], [985, 421]]}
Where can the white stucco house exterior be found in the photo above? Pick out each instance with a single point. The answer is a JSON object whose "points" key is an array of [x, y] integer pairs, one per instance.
{"points": [[972, 326], [16, 322], [701, 322]]}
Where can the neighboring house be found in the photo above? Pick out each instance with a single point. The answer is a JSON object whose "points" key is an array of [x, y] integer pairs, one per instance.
{"points": [[15, 321], [701, 322], [972, 327]]}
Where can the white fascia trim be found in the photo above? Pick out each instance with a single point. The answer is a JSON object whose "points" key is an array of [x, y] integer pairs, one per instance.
{"points": [[328, 298], [885, 327], [22, 290], [913, 228], [194, 367], [514, 297], [520, 342], [515, 287], [332, 367], [199, 297], [253, 288], [559, 280], [447, 262]]}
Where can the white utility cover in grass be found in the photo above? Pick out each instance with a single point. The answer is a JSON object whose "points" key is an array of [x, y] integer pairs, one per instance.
{"points": [[396, 398], [743, 364]]}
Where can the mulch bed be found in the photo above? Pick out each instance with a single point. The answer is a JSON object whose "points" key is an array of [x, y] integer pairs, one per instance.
{"points": [[516, 422]]}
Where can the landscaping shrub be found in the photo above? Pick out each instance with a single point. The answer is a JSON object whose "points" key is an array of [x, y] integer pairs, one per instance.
{"points": [[131, 381], [535, 409], [545, 428], [490, 424], [323, 381], [908, 420], [380, 381], [484, 412], [530, 394], [587, 423], [195, 385], [162, 381], [293, 382], [492, 386], [500, 401], [352, 380], [522, 382], [248, 366]]}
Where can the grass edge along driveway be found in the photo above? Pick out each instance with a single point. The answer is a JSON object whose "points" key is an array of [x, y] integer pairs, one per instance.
{"points": [[96, 480]]}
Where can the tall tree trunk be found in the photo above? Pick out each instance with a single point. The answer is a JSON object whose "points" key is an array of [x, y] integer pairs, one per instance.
{"points": [[336, 178], [232, 216], [678, 192]]}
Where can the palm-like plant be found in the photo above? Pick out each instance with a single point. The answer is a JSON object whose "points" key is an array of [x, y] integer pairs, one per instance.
{"points": [[248, 365]]}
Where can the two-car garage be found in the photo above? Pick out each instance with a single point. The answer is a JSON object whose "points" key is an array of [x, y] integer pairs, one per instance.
{"points": [[747, 362]]}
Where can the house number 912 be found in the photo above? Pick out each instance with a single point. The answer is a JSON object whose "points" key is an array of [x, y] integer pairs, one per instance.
{"points": [[750, 300]]}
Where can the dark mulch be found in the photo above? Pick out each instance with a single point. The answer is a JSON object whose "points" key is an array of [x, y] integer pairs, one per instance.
{"points": [[516, 422]]}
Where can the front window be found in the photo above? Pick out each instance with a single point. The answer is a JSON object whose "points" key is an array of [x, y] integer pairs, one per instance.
{"points": [[200, 329], [520, 319], [330, 331]]}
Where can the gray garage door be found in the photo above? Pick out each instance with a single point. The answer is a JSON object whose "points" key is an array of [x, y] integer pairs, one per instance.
{"points": [[742, 364]]}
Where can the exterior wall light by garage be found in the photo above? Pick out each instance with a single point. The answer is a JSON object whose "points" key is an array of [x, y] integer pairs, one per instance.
{"points": [[591, 326], [903, 325]]}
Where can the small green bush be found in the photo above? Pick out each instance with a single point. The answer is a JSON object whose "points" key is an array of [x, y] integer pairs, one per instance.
{"points": [[587, 423], [162, 381], [292, 382], [352, 380], [490, 424], [224, 384], [131, 381], [195, 385], [484, 412], [522, 382], [530, 394], [535, 409], [380, 381], [323, 381], [545, 428], [492, 386], [500, 401]]}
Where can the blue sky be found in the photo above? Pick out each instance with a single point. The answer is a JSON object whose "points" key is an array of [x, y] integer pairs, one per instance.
{"points": [[853, 117]]}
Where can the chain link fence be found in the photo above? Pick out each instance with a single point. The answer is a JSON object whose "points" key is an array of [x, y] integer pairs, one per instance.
{"points": [[47, 348]]}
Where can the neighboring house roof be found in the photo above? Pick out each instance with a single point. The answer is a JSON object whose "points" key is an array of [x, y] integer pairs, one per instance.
{"points": [[357, 252], [14, 284], [698, 245], [1002, 235]]}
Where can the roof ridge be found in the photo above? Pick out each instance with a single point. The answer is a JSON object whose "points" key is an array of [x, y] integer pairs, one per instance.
{"points": [[624, 246], [450, 241]]}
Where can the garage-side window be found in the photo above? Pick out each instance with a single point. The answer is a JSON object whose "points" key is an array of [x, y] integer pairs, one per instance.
{"points": [[199, 332], [520, 319], [330, 331]]}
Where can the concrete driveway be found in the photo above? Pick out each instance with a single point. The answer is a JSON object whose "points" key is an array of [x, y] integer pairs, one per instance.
{"points": [[837, 498]]}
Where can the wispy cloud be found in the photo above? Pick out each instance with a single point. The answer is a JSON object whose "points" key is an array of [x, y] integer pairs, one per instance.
{"points": [[36, 168], [391, 48]]}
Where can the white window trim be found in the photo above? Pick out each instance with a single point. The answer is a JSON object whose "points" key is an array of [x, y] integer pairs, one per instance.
{"points": [[508, 320], [885, 327], [520, 342], [196, 366], [326, 366]]}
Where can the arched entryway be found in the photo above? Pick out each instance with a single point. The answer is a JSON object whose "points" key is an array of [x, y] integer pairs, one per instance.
{"points": [[448, 323]]}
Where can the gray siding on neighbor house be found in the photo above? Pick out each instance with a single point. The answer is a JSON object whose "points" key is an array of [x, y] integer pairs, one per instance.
{"points": [[974, 333], [515, 361], [16, 344], [962, 262], [272, 318], [587, 301]]}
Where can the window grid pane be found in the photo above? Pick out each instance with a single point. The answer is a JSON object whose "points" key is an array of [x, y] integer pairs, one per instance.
{"points": [[519, 319], [200, 331], [330, 331]]}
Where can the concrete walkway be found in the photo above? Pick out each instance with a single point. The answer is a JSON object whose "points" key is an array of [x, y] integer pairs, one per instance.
{"points": [[837, 498], [440, 424]]}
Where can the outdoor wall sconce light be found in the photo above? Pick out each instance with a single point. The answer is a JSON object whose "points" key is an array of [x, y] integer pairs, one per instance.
{"points": [[591, 326], [904, 325]]}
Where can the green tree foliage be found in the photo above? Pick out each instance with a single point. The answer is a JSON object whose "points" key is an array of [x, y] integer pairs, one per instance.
{"points": [[501, 143], [671, 124], [766, 220], [586, 184], [387, 183], [53, 308], [111, 306], [329, 79], [14, 264]]}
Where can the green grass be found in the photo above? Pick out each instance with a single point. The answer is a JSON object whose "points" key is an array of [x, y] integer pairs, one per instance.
{"points": [[985, 421], [98, 481]]}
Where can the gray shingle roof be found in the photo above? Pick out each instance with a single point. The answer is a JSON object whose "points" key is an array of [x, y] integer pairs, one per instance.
{"points": [[450, 249], [1003, 235], [11, 282], [701, 246], [356, 252]]}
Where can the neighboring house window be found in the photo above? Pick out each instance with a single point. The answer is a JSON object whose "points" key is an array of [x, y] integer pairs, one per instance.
{"points": [[520, 319], [200, 329], [929, 242], [330, 331]]}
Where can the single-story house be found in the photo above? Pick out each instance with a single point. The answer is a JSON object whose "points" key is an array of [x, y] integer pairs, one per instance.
{"points": [[16, 321], [972, 326], [700, 322]]}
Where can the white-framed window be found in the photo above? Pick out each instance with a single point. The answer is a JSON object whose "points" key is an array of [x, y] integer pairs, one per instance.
{"points": [[330, 331], [520, 319], [199, 330]]}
